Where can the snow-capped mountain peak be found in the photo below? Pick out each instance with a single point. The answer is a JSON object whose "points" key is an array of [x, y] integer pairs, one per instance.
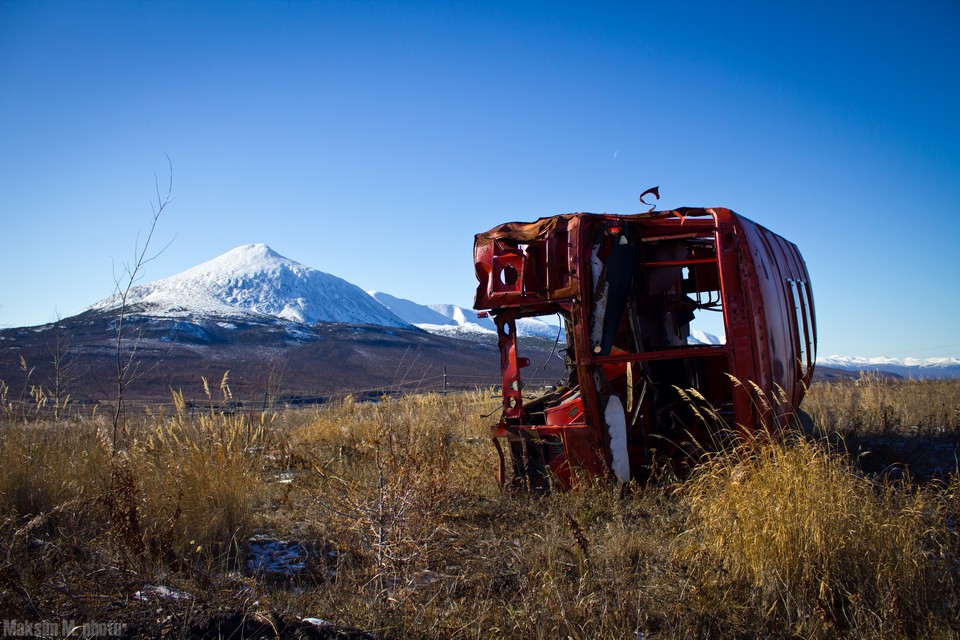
{"points": [[254, 279]]}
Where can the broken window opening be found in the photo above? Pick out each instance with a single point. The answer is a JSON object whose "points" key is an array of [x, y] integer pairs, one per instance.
{"points": [[804, 330], [668, 288], [522, 373]]}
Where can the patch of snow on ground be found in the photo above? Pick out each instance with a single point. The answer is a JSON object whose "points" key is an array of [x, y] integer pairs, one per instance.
{"points": [[286, 477], [272, 556], [151, 592], [319, 622]]}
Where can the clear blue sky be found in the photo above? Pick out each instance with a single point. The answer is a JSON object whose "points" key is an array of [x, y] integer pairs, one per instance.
{"points": [[372, 140]]}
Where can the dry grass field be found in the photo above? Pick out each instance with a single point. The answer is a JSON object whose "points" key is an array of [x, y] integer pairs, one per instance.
{"points": [[385, 520]]}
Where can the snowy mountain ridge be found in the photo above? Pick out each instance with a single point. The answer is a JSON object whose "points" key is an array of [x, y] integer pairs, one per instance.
{"points": [[859, 363], [453, 321], [905, 367]]}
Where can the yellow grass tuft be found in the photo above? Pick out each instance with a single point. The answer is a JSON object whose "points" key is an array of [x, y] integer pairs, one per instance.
{"points": [[790, 528]]}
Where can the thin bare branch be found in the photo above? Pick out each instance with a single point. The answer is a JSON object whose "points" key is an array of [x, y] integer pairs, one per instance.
{"points": [[126, 359]]}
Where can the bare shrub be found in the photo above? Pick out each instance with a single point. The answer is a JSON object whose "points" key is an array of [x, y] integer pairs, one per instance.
{"points": [[391, 484]]}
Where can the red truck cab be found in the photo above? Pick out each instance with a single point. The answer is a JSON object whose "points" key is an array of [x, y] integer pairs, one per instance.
{"points": [[629, 289]]}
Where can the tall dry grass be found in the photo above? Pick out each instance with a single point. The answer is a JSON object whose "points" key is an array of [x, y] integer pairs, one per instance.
{"points": [[410, 536], [184, 488], [788, 529], [200, 478], [875, 404]]}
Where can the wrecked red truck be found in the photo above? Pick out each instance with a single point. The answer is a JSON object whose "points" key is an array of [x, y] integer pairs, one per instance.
{"points": [[630, 291]]}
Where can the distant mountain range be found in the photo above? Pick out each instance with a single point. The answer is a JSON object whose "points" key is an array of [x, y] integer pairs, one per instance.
{"points": [[919, 368], [283, 330], [251, 310]]}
